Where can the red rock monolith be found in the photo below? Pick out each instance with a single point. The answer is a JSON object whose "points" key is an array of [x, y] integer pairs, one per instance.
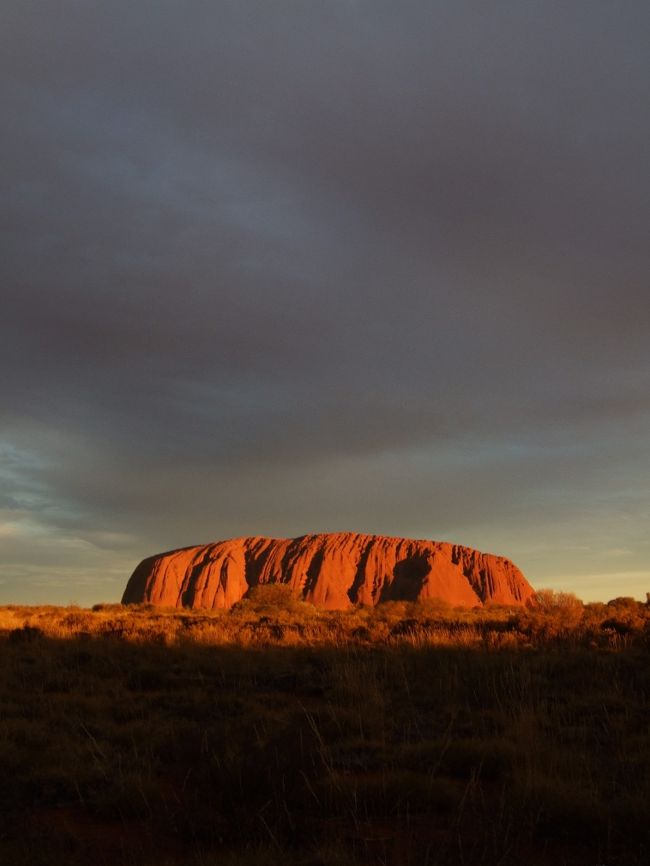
{"points": [[332, 571]]}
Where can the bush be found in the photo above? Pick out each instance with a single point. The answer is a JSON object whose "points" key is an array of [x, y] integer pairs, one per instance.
{"points": [[274, 598], [552, 614]]}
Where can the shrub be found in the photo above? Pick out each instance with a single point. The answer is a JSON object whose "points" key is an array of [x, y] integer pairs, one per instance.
{"points": [[274, 599], [552, 614], [26, 634]]}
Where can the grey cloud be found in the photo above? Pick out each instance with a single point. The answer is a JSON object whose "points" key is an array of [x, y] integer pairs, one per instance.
{"points": [[258, 258]]}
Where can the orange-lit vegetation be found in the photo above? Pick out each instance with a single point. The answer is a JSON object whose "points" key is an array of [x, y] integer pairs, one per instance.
{"points": [[279, 734]]}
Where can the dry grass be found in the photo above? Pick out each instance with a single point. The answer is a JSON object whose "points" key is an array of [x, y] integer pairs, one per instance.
{"points": [[281, 734]]}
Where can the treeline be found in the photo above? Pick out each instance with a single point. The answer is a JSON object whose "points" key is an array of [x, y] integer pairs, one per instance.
{"points": [[271, 614]]}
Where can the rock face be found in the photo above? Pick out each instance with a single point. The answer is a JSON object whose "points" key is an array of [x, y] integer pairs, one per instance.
{"points": [[331, 571]]}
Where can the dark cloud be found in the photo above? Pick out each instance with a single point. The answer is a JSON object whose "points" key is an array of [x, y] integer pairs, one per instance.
{"points": [[288, 267]]}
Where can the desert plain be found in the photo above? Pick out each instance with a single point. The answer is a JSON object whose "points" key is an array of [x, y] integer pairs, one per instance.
{"points": [[277, 732]]}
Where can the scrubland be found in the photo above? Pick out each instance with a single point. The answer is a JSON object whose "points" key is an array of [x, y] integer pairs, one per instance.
{"points": [[276, 733]]}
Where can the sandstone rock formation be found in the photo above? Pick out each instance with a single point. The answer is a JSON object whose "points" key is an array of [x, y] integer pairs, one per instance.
{"points": [[332, 571]]}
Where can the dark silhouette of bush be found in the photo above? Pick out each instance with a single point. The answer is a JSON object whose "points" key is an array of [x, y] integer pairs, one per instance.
{"points": [[26, 634]]}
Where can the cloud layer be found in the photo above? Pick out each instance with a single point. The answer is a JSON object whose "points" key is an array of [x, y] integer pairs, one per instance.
{"points": [[301, 267]]}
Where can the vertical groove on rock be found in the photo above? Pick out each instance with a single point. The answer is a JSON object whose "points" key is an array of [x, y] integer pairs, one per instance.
{"points": [[360, 575], [310, 578]]}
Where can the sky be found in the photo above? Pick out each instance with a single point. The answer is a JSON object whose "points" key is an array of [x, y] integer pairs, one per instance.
{"points": [[292, 267]]}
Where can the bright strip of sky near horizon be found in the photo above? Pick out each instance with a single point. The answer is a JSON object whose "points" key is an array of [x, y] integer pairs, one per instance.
{"points": [[278, 268]]}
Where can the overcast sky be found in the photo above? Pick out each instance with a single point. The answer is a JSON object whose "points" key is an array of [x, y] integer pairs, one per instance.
{"points": [[287, 267]]}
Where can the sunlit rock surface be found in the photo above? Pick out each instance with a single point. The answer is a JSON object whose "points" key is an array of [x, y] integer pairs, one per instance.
{"points": [[332, 571]]}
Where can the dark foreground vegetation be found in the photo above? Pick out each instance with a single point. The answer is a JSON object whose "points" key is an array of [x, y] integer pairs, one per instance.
{"points": [[277, 734]]}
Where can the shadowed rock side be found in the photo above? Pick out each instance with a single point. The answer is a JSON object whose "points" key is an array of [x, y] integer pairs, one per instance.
{"points": [[331, 571]]}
